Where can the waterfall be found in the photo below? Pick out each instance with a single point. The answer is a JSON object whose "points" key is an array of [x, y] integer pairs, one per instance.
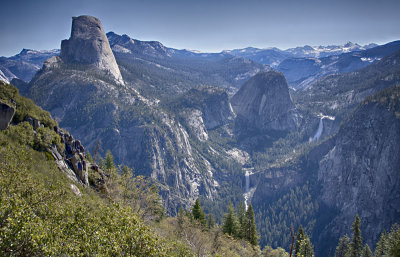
{"points": [[319, 130], [247, 188], [247, 176]]}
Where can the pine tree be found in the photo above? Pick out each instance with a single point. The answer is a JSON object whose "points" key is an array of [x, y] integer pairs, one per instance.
{"points": [[242, 220], [343, 247], [381, 246], [356, 244], [394, 241], [306, 248], [231, 223], [299, 238], [109, 165], [198, 213], [251, 231], [366, 252]]}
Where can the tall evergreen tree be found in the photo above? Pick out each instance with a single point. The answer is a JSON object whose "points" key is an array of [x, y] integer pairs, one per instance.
{"points": [[381, 248], [366, 252], [198, 213], [306, 249], [299, 238], [109, 165], [356, 244], [231, 224], [251, 230], [242, 220], [343, 247]]}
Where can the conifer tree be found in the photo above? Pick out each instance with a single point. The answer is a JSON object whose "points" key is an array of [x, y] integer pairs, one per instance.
{"points": [[394, 241], [251, 231], [381, 246], [306, 248], [109, 165], [299, 238], [242, 220], [343, 247], [230, 224], [366, 252], [198, 213], [356, 244]]}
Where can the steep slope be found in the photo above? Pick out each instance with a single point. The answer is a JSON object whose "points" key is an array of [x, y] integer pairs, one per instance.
{"points": [[45, 211], [360, 174], [263, 103]]}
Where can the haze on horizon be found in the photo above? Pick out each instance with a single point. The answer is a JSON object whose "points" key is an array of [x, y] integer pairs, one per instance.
{"points": [[208, 26]]}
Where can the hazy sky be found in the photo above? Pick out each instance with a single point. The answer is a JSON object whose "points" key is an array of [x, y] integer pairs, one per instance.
{"points": [[206, 25]]}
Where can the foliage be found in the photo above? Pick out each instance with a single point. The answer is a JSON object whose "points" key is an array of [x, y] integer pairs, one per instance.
{"points": [[25, 107], [250, 226], [343, 247], [40, 215], [306, 248], [388, 244], [299, 238], [268, 251], [366, 252], [290, 210], [231, 223], [356, 244], [198, 213]]}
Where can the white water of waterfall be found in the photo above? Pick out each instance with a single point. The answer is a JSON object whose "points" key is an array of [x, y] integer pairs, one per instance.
{"points": [[319, 130], [247, 188]]}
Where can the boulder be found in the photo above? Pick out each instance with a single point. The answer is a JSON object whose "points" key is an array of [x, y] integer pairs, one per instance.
{"points": [[6, 114]]}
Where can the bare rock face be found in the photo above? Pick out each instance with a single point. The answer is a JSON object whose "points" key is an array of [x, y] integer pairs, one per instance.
{"points": [[360, 175], [88, 45], [6, 115], [264, 103]]}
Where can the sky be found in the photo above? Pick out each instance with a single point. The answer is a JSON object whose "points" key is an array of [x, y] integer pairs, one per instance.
{"points": [[204, 25]]}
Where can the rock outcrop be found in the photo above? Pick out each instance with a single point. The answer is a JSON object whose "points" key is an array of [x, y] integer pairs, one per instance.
{"points": [[360, 174], [263, 103], [205, 108], [88, 45], [6, 114]]}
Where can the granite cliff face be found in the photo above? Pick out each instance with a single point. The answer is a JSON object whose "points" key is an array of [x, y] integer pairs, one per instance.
{"points": [[264, 103], [204, 109], [360, 174], [88, 45]]}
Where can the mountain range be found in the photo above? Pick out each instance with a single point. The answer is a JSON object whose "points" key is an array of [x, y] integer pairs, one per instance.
{"points": [[228, 127]]}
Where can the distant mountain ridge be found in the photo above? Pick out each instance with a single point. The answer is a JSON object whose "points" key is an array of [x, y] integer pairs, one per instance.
{"points": [[273, 56]]}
